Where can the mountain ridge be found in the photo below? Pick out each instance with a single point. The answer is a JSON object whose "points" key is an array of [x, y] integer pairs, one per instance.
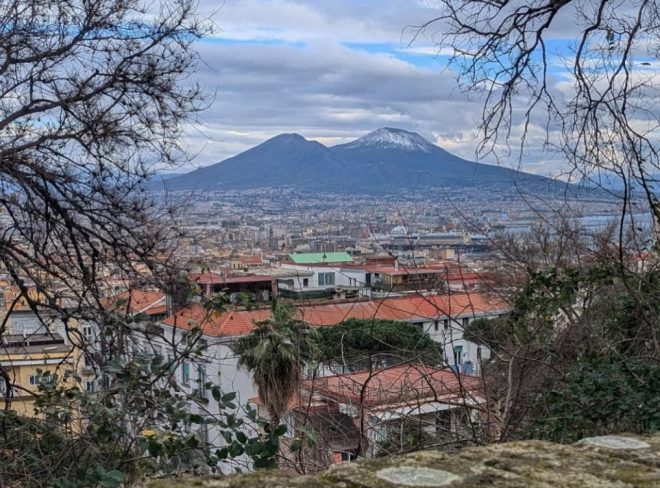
{"points": [[387, 159]]}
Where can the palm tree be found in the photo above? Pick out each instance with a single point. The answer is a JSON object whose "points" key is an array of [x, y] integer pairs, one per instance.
{"points": [[276, 353]]}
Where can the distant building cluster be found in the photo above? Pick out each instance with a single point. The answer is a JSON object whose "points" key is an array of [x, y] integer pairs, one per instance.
{"points": [[412, 261], [325, 289]]}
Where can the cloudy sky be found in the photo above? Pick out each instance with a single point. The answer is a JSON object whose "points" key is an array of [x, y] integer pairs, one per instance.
{"points": [[331, 71]]}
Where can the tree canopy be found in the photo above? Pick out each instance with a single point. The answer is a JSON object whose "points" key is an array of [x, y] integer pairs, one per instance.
{"points": [[361, 341]]}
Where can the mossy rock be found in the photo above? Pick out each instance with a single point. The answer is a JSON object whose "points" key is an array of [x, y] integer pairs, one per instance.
{"points": [[603, 462]]}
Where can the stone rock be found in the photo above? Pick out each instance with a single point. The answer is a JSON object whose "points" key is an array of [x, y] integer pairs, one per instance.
{"points": [[634, 461], [615, 442], [409, 476]]}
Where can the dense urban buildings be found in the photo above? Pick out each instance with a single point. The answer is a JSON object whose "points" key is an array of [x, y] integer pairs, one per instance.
{"points": [[409, 260]]}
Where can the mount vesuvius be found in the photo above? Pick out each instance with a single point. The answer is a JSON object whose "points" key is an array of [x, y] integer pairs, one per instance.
{"points": [[386, 160]]}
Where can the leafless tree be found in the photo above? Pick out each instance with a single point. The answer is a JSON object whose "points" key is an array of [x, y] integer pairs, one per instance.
{"points": [[93, 97], [593, 98]]}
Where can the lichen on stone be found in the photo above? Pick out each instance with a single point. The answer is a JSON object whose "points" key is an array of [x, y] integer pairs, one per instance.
{"points": [[525, 464]]}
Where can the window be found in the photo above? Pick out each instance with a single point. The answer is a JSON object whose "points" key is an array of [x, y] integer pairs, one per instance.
{"points": [[348, 456], [201, 381], [466, 321], [88, 333], [458, 355], [326, 279], [89, 386], [305, 281], [445, 324], [39, 378], [185, 372], [203, 434], [436, 325]]}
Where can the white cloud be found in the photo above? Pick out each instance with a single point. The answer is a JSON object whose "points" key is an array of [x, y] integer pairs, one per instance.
{"points": [[284, 66]]}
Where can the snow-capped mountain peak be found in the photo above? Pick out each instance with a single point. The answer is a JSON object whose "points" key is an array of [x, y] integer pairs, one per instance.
{"points": [[390, 138]]}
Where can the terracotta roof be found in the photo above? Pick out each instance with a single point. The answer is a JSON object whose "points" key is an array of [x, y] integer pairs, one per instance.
{"points": [[217, 279], [230, 323], [255, 259], [248, 279], [409, 308], [399, 384], [157, 310], [150, 302], [206, 278]]}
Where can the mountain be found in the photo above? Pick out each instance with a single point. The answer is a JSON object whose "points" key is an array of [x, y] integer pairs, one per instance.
{"points": [[387, 159], [390, 155], [613, 182], [287, 159]]}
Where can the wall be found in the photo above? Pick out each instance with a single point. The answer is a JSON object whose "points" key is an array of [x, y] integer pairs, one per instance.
{"points": [[452, 336], [343, 277]]}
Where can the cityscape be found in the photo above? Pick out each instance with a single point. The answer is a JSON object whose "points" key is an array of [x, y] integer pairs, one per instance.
{"points": [[351, 244]]}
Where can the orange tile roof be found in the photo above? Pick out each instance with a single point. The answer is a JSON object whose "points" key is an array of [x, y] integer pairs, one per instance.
{"points": [[217, 279], [409, 308], [157, 310], [150, 302], [206, 278], [216, 324], [253, 259], [403, 383]]}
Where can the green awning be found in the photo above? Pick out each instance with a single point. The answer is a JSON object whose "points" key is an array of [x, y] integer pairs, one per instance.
{"points": [[320, 257]]}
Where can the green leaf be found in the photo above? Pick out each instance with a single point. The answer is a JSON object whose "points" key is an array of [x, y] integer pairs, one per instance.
{"points": [[215, 392], [195, 418], [155, 448], [236, 450], [228, 397]]}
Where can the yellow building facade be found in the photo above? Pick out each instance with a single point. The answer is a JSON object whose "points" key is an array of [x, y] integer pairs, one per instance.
{"points": [[33, 349], [27, 361]]}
